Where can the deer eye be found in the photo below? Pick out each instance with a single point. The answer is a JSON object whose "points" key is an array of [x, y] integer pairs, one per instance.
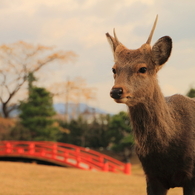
{"points": [[143, 70], [114, 70]]}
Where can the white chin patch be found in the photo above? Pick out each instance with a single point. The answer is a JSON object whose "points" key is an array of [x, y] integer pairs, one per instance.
{"points": [[122, 100]]}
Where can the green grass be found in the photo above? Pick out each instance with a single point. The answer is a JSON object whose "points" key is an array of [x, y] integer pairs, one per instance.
{"points": [[32, 179]]}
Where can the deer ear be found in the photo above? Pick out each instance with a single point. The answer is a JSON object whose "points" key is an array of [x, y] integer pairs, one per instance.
{"points": [[162, 50]]}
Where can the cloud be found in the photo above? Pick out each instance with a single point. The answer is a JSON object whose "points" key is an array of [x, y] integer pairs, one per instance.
{"points": [[80, 25]]}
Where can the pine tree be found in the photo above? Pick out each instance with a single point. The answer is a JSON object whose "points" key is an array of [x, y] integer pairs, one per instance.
{"points": [[37, 112], [191, 93]]}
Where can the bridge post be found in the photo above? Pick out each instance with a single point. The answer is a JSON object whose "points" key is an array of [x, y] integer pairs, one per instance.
{"points": [[78, 159], [105, 166], [127, 168], [31, 148], [65, 155], [8, 147], [54, 151]]}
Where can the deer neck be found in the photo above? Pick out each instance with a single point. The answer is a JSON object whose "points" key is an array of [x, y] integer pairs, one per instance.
{"points": [[152, 123]]}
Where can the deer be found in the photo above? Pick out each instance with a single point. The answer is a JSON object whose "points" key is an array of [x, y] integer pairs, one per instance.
{"points": [[163, 127]]}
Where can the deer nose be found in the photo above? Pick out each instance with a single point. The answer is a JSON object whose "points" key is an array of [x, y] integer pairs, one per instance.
{"points": [[116, 93]]}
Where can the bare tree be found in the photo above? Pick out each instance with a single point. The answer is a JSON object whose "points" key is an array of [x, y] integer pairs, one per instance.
{"points": [[75, 91], [17, 60]]}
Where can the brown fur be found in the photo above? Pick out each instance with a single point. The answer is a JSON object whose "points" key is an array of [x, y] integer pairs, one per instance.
{"points": [[164, 128]]}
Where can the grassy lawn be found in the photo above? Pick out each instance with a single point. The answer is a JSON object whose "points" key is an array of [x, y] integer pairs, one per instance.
{"points": [[31, 179]]}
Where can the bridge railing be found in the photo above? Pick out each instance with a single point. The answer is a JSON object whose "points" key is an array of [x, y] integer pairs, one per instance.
{"points": [[63, 154]]}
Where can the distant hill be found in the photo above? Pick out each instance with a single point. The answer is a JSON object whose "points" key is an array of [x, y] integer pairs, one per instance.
{"points": [[61, 108], [73, 109]]}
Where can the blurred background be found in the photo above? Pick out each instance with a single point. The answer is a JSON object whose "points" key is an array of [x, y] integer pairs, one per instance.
{"points": [[54, 56]]}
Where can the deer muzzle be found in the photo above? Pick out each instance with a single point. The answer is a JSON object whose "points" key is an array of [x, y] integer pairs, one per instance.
{"points": [[116, 93]]}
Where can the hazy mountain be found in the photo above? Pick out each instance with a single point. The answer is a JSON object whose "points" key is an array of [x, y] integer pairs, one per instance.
{"points": [[73, 109]]}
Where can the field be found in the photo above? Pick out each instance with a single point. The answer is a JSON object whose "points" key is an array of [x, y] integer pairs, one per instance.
{"points": [[31, 179]]}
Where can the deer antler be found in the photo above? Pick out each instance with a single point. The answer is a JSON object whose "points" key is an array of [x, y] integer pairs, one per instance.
{"points": [[116, 39], [152, 31]]}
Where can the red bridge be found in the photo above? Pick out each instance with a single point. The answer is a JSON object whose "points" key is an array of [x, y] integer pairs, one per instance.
{"points": [[62, 154]]}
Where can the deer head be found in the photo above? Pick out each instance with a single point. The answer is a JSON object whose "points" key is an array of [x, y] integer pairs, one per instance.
{"points": [[135, 70]]}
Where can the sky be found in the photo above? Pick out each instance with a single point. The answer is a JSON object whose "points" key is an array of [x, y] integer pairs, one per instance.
{"points": [[80, 26]]}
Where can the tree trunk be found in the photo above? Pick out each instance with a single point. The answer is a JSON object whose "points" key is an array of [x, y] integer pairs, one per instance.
{"points": [[5, 110]]}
